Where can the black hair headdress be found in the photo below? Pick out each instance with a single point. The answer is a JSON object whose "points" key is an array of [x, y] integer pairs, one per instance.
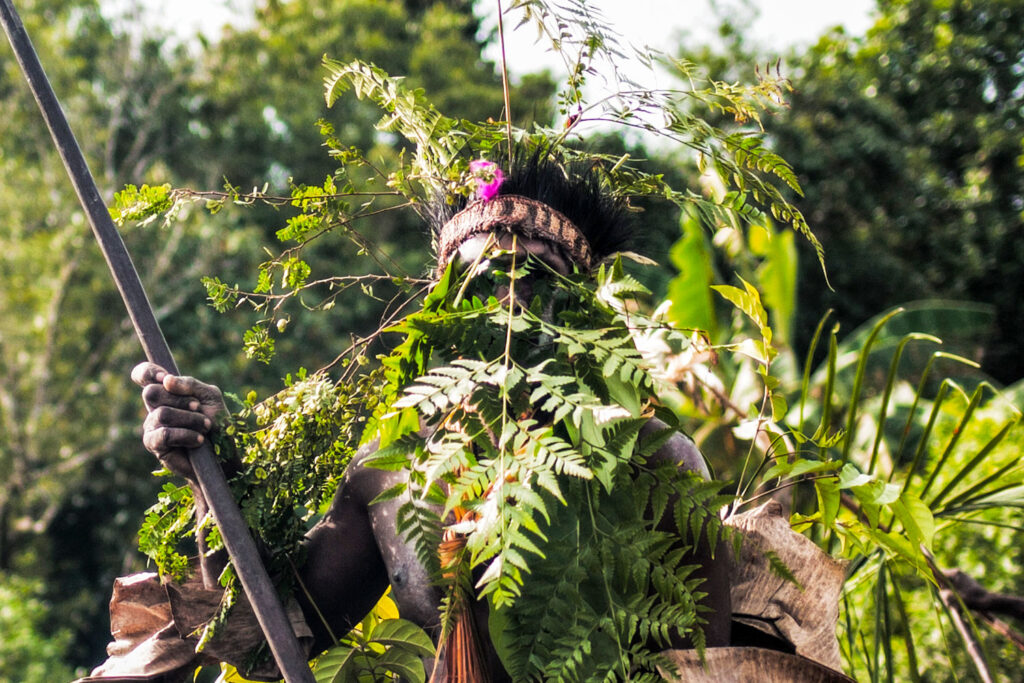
{"points": [[581, 206]]}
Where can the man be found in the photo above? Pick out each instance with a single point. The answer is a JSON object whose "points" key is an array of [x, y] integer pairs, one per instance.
{"points": [[566, 221]]}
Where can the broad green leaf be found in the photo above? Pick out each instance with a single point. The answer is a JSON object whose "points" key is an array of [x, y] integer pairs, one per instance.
{"points": [[626, 395], [407, 664], [754, 348], [872, 512], [747, 300], [851, 477], [897, 546], [779, 406], [777, 275], [916, 518], [797, 467], [404, 634], [690, 291], [335, 665], [828, 499]]}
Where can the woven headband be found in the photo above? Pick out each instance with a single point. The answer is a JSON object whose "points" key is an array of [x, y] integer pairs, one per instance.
{"points": [[518, 215]]}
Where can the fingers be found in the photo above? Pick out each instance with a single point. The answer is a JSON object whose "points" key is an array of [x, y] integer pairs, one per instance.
{"points": [[144, 374], [147, 374], [190, 386], [160, 388], [162, 441], [211, 401], [167, 431], [165, 417], [156, 396], [181, 413]]}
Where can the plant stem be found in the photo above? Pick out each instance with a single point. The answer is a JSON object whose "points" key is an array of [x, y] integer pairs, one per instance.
{"points": [[504, 79]]}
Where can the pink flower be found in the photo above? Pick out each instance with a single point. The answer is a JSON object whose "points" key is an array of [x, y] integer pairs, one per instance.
{"points": [[487, 177]]}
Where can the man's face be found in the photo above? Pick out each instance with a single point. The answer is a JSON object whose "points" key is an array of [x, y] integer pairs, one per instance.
{"points": [[473, 251]]}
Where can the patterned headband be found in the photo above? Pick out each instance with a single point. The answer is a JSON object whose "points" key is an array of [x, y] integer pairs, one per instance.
{"points": [[518, 215]]}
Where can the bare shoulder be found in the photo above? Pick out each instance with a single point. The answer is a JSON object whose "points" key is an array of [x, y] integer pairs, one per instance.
{"points": [[363, 482], [677, 448]]}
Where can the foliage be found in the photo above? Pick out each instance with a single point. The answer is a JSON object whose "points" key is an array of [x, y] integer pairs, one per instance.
{"points": [[909, 142], [293, 448], [682, 117], [607, 591], [906, 141], [972, 485], [990, 551], [154, 112], [854, 445], [382, 648], [31, 649], [72, 477], [536, 452], [511, 476], [870, 468], [442, 149]]}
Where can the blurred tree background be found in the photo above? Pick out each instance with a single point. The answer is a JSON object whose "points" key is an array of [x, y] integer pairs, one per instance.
{"points": [[907, 142], [908, 145]]}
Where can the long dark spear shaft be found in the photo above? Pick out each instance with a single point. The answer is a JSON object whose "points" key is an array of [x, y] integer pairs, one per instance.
{"points": [[250, 570]]}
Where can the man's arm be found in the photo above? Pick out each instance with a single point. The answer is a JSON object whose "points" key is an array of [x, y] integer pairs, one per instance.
{"points": [[713, 564], [343, 575], [678, 448], [345, 570], [182, 414], [355, 551]]}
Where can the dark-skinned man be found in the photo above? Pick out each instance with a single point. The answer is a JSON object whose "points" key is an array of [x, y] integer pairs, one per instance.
{"points": [[354, 552]]}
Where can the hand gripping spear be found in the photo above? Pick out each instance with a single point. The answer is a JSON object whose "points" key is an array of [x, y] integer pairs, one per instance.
{"points": [[250, 570]]}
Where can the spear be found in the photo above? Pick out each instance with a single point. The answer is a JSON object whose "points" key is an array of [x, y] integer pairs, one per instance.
{"points": [[250, 570]]}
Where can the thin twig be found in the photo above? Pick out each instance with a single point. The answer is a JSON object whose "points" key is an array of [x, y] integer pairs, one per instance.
{"points": [[954, 606], [364, 341], [1003, 629], [504, 80], [333, 280], [250, 197]]}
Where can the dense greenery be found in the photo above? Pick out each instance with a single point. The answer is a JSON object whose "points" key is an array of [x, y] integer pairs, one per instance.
{"points": [[913, 189], [900, 186], [536, 450], [66, 410], [33, 647], [595, 385], [148, 111], [908, 145]]}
